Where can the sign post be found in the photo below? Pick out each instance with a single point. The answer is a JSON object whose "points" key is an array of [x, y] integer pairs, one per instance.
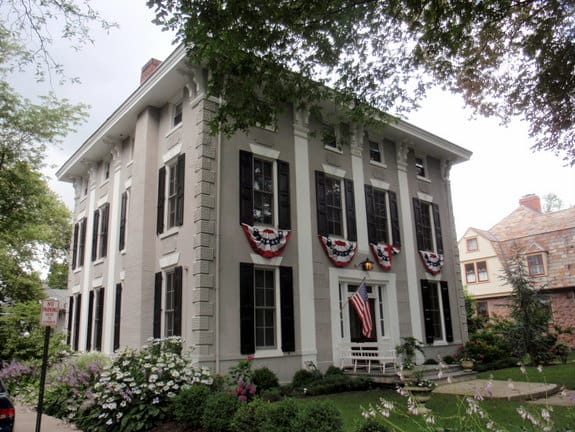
{"points": [[49, 319]]}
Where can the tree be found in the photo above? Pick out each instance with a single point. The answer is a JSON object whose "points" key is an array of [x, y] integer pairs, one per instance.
{"points": [[551, 202], [528, 333], [505, 57], [58, 275]]}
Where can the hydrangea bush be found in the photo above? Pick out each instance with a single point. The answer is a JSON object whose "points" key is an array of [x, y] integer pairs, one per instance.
{"points": [[133, 391]]}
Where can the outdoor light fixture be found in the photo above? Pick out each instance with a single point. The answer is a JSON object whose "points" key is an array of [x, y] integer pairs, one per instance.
{"points": [[367, 265]]}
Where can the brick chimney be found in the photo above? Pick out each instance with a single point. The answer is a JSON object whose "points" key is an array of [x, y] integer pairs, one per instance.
{"points": [[149, 69], [532, 201]]}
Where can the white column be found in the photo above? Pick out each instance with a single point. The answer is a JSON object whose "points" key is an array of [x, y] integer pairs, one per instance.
{"points": [[409, 244], [113, 237], [304, 237]]}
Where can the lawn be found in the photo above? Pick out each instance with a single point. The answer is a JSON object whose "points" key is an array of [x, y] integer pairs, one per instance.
{"points": [[452, 409]]}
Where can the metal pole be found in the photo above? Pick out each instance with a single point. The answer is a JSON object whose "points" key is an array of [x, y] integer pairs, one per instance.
{"points": [[42, 379]]}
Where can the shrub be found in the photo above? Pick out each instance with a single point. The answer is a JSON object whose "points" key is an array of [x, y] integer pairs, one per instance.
{"points": [[318, 416], [281, 417], [430, 361], [562, 352], [449, 360], [265, 379], [272, 395], [219, 411], [333, 370], [303, 378], [370, 424], [250, 416], [338, 384], [240, 380], [188, 405]]}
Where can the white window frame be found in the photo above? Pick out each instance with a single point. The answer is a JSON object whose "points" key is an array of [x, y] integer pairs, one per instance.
{"points": [[381, 150], [276, 351], [428, 200], [177, 114], [468, 241], [168, 274], [106, 167], [270, 155], [437, 291], [328, 128], [425, 167]]}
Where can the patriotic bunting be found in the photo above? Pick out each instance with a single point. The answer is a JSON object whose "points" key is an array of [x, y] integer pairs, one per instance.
{"points": [[268, 242], [383, 254], [340, 252], [433, 262]]}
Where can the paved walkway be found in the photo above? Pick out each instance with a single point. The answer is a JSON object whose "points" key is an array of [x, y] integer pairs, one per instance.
{"points": [[26, 421]]}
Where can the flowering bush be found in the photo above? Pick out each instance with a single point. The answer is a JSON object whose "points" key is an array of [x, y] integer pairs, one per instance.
{"points": [[21, 379], [241, 380], [132, 392]]}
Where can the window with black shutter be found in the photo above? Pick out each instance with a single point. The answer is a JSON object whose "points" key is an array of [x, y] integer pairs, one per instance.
{"points": [[78, 309], [334, 198], [90, 321], [82, 242], [171, 188], [123, 220], [105, 217], [117, 316], [75, 241], [436, 311], [161, 200], [95, 236], [70, 319], [382, 216], [157, 322], [427, 226], [99, 319]]}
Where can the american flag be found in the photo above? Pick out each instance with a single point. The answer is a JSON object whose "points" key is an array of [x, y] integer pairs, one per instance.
{"points": [[360, 303]]}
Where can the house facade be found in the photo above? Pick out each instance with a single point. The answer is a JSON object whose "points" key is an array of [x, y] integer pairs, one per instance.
{"points": [[252, 244], [547, 243]]}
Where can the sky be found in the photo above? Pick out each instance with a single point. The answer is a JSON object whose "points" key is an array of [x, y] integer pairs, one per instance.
{"points": [[485, 189]]}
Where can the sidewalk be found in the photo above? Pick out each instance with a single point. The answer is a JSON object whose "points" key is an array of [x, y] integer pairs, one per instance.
{"points": [[26, 421]]}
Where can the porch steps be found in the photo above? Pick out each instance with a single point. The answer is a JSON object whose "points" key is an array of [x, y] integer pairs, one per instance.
{"points": [[447, 375]]}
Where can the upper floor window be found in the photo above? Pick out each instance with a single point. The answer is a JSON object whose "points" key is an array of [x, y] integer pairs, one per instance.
{"points": [[472, 245], [382, 216], [427, 226], [535, 265], [123, 220], [476, 272], [171, 189], [421, 167], [100, 232], [106, 170], [335, 206], [177, 114], [264, 191], [376, 152], [79, 243]]}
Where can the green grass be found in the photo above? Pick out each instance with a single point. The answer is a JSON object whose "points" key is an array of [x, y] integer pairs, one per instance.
{"points": [[451, 409]]}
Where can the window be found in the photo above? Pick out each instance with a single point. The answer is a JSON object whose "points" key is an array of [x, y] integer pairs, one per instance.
{"points": [[481, 309], [382, 216], [168, 303], [427, 226], [100, 232], [266, 309], [177, 114], [264, 191], [78, 243], [117, 316], [420, 166], [535, 265], [173, 192], [106, 171], [99, 319], [123, 221], [472, 244], [330, 138], [375, 152], [436, 311], [335, 206], [476, 272], [77, 311]]}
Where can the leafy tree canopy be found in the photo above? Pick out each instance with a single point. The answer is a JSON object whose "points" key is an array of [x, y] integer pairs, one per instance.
{"points": [[505, 57]]}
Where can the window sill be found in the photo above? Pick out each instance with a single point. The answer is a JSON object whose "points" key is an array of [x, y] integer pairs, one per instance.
{"points": [[268, 353], [77, 270], [378, 164], [130, 163], [424, 179], [170, 232], [98, 261], [105, 182], [123, 252], [174, 129], [333, 149]]}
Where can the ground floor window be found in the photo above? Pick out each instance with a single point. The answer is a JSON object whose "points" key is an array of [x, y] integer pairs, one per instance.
{"points": [[168, 303], [436, 311]]}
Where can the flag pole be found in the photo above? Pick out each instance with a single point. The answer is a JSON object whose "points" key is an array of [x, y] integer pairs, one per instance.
{"points": [[347, 299]]}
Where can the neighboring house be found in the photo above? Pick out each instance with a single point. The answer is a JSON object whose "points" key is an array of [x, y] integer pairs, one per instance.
{"points": [[252, 244], [545, 240]]}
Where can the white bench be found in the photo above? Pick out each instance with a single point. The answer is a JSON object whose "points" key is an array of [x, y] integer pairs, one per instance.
{"points": [[363, 357]]}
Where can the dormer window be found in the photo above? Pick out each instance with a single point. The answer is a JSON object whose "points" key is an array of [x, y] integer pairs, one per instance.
{"points": [[472, 244], [375, 152], [535, 265], [177, 114], [106, 170], [421, 166]]}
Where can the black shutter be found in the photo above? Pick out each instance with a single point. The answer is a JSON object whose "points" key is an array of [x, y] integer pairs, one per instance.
{"points": [[370, 213], [70, 317], [427, 297], [247, 309], [104, 230], [178, 301], [350, 210], [180, 187], [90, 319], [446, 312], [161, 199], [284, 208], [99, 319], [394, 215], [82, 246], [117, 316], [437, 226], [320, 203], [77, 313], [123, 213], [246, 188], [418, 223], [158, 306], [75, 246], [287, 312], [95, 235]]}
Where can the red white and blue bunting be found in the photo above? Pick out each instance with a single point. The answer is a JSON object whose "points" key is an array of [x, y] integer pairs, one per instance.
{"points": [[432, 262], [266, 241], [340, 252], [383, 254]]}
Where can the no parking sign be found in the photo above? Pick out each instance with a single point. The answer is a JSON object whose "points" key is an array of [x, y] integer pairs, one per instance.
{"points": [[49, 314]]}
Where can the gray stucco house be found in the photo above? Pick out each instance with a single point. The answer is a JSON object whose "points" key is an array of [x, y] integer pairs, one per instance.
{"points": [[252, 244]]}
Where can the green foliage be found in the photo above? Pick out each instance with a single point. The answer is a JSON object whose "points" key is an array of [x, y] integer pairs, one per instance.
{"points": [[370, 425], [250, 416], [280, 416], [319, 416], [240, 379], [475, 322], [336, 384], [505, 58], [407, 350], [58, 275], [219, 411], [22, 336], [333, 370], [272, 395], [303, 378], [188, 405], [265, 379]]}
